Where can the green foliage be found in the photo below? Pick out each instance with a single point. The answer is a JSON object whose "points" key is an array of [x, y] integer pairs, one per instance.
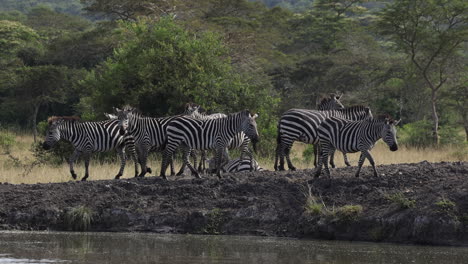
{"points": [[450, 135], [400, 199], [348, 213], [7, 140], [63, 6], [417, 134], [313, 207], [445, 205], [79, 218], [214, 222], [161, 66], [14, 36], [308, 153]]}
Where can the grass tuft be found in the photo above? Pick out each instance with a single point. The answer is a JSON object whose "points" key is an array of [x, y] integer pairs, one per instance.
{"points": [[400, 199], [79, 218]]}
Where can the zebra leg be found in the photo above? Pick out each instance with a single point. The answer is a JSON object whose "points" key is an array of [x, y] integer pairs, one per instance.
{"points": [[172, 164], [167, 156], [71, 161], [332, 159], [322, 160], [326, 154], [316, 146], [201, 166], [86, 160], [182, 168], [143, 158], [189, 165], [346, 161], [288, 159], [361, 161], [121, 153], [371, 161]]}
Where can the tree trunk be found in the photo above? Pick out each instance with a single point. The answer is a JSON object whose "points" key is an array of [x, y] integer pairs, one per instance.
{"points": [[34, 120], [435, 118]]}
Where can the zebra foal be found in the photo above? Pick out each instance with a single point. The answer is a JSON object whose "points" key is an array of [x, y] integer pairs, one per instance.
{"points": [[86, 138], [354, 136], [216, 134]]}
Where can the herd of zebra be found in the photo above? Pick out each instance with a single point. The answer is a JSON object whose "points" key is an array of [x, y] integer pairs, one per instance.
{"points": [[331, 127]]}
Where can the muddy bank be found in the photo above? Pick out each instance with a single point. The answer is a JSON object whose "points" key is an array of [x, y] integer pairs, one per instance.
{"points": [[423, 203]]}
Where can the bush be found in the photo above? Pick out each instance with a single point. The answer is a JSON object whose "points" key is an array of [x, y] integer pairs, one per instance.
{"points": [[401, 200], [450, 135], [349, 213], [7, 140], [417, 134], [79, 218]]}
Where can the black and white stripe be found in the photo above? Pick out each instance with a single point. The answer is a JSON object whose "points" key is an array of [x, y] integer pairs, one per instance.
{"points": [[237, 165], [209, 134], [302, 124], [239, 141], [146, 133], [86, 138], [354, 136]]}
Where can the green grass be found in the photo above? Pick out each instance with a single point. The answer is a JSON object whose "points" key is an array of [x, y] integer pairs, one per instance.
{"points": [[400, 199], [79, 218]]}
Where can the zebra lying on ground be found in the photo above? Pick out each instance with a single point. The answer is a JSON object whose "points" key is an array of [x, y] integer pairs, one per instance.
{"points": [[146, 133], [86, 138], [207, 134], [354, 136], [302, 124], [236, 165]]}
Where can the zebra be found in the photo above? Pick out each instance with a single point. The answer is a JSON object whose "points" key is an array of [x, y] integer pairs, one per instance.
{"points": [[86, 138], [354, 136], [236, 165], [146, 133], [207, 134], [239, 141], [302, 124]]}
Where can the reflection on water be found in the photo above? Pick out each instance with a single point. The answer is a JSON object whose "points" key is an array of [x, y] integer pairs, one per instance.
{"points": [[52, 247]]}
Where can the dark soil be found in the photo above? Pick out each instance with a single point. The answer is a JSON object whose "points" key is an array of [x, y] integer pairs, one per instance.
{"points": [[261, 203]]}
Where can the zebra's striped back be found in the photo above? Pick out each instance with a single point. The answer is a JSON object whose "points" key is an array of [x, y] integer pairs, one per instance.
{"points": [[302, 124], [353, 136], [86, 136]]}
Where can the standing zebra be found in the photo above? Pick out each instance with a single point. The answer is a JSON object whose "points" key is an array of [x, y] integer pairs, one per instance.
{"points": [[353, 136], [86, 138], [240, 140], [146, 133], [207, 134], [302, 124]]}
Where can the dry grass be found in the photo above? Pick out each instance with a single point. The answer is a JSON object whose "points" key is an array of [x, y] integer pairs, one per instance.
{"points": [[45, 173]]}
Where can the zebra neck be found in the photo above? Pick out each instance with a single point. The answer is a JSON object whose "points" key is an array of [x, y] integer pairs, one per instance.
{"points": [[375, 130], [66, 130]]}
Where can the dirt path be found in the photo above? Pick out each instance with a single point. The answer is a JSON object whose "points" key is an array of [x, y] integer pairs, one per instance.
{"points": [[411, 203]]}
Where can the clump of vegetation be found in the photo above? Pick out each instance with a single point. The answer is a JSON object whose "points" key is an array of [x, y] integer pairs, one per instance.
{"points": [[445, 205], [79, 218], [400, 199], [214, 222], [313, 207], [348, 213]]}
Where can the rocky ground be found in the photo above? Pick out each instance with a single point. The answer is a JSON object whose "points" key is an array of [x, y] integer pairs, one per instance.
{"points": [[425, 203]]}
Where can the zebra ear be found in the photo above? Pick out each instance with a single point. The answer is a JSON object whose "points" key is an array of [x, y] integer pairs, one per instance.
{"points": [[338, 96], [397, 122], [255, 116], [116, 109]]}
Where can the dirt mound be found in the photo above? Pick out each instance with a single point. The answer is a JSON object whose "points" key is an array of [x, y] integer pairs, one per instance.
{"points": [[419, 203]]}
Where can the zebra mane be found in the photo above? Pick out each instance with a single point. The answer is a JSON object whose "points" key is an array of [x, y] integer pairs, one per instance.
{"points": [[327, 99], [52, 119], [385, 117]]}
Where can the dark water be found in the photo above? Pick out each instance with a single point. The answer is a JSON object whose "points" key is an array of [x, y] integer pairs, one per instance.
{"points": [[38, 247]]}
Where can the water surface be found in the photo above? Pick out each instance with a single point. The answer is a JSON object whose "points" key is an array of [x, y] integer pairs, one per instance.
{"points": [[59, 247]]}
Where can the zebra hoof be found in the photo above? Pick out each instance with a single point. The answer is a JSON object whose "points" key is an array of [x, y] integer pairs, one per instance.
{"points": [[84, 178], [292, 168], [118, 176], [164, 177], [348, 165], [357, 175], [148, 170], [74, 176]]}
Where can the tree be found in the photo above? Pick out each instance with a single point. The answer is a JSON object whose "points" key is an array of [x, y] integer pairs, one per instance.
{"points": [[13, 37], [129, 9], [160, 66], [36, 86], [431, 33]]}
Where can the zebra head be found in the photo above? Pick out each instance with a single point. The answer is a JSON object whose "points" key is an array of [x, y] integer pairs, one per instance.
{"points": [[249, 127], [331, 103], [191, 108], [123, 116], [53, 132], [389, 133]]}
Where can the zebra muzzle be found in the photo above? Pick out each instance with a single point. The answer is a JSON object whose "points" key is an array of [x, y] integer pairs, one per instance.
{"points": [[122, 131], [394, 147], [45, 146]]}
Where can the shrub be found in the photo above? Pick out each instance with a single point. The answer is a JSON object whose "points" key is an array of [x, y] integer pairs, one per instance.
{"points": [[417, 134], [445, 204], [79, 218], [7, 140], [401, 200], [348, 213], [313, 207]]}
